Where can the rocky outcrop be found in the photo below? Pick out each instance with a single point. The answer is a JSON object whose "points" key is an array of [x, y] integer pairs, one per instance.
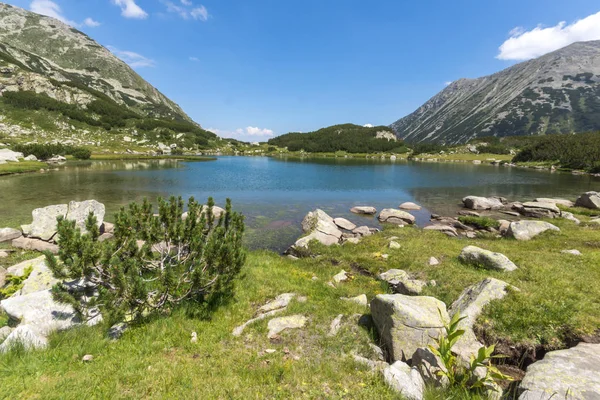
{"points": [[526, 230], [40, 278], [470, 305], [8, 234], [397, 217], [365, 210], [405, 380], [401, 282], [479, 257], [319, 226], [589, 200], [564, 374], [406, 323], [535, 209], [482, 203]]}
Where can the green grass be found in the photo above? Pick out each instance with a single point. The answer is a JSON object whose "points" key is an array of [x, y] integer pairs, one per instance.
{"points": [[21, 167], [479, 222], [466, 157]]}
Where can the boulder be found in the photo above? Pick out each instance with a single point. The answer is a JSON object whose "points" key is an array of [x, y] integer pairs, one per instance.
{"points": [[31, 157], [340, 277], [9, 155], [44, 221], [562, 202], [361, 299], [362, 231], [445, 229], [535, 209], [344, 224], [366, 210], [470, 305], [573, 252], [564, 374], [79, 211], [473, 255], [433, 261], [409, 206], [405, 380], [320, 227], [482, 203], [526, 230], [429, 365], [401, 282], [398, 217], [34, 244], [569, 216], [40, 278], [278, 325], [2, 277], [406, 323], [8, 234], [394, 245], [589, 200]]}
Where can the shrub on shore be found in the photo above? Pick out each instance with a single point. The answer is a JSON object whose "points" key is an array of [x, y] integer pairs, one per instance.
{"points": [[46, 151]]}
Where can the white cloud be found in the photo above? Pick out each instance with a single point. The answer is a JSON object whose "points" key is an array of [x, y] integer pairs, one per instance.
{"points": [[258, 132], [194, 59], [135, 60], [243, 134], [524, 45], [129, 9], [50, 9], [447, 83], [186, 10], [368, 125], [200, 13], [91, 23]]}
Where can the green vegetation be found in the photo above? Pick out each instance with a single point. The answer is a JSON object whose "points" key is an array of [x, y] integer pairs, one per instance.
{"points": [[14, 283], [191, 260], [46, 151], [580, 151], [430, 148], [479, 222], [347, 137], [21, 167]]}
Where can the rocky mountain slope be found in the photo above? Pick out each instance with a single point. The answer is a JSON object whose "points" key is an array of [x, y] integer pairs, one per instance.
{"points": [[556, 93], [57, 85]]}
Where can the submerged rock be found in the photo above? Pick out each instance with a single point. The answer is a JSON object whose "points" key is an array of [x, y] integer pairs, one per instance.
{"points": [[473, 255], [482, 203], [564, 374], [406, 323], [409, 206], [526, 230]]}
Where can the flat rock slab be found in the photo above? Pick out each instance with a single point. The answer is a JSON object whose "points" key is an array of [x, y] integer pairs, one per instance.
{"points": [[393, 216], [470, 305], [473, 255], [40, 278], [406, 323], [8, 234], [366, 210], [539, 210], [562, 202], [281, 301], [589, 200], [409, 206], [526, 230], [564, 374], [446, 229], [344, 224], [278, 325], [34, 244]]}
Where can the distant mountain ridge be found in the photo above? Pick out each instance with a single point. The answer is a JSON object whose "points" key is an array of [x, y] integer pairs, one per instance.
{"points": [[555, 93], [45, 49]]}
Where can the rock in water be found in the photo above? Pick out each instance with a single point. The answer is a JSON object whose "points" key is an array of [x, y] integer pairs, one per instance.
{"points": [[473, 255], [366, 210], [398, 217], [320, 227], [277, 325], [564, 374], [406, 323], [8, 234], [409, 206], [482, 203], [470, 305], [526, 230], [589, 200], [405, 380]]}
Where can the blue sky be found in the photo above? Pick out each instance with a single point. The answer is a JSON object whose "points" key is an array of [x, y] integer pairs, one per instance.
{"points": [[252, 69]]}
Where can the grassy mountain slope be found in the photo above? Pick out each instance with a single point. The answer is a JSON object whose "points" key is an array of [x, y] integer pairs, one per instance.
{"points": [[346, 137], [556, 93]]}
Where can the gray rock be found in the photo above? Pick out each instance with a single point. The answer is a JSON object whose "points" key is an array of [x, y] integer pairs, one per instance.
{"points": [[473, 255], [9, 155], [240, 329], [482, 203], [535, 209], [41, 277], [589, 200], [564, 374], [335, 326], [446, 229], [366, 210], [79, 211], [281, 301], [44, 221], [406, 323], [469, 213], [409, 206], [320, 227], [398, 217], [373, 365], [394, 245], [362, 231], [340, 277], [433, 261], [31, 157], [361, 299], [401, 282], [405, 380], [4, 332], [8, 234], [34, 244], [562, 202], [354, 240], [569, 216], [429, 366], [526, 230], [27, 336], [344, 224], [3, 254], [278, 325], [470, 305], [117, 330], [573, 252]]}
